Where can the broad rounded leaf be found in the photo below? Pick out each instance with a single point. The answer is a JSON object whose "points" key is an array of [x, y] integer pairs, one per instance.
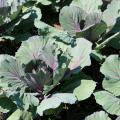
{"points": [[54, 101], [92, 12], [108, 101], [98, 116], [16, 115], [85, 89], [111, 70], [70, 18], [80, 53], [112, 12]]}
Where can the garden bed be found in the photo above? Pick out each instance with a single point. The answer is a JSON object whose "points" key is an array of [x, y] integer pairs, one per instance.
{"points": [[60, 60]]}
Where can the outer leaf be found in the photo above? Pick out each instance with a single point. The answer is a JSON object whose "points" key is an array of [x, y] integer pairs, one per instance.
{"points": [[85, 89], [64, 39], [24, 101], [11, 72], [36, 48], [30, 100], [91, 20], [110, 69], [60, 72], [54, 101], [20, 115], [111, 14], [82, 15], [74, 19], [80, 54], [16, 115], [70, 18], [90, 6], [98, 116], [108, 101]]}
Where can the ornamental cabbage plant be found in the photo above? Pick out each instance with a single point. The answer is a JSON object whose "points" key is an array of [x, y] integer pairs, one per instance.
{"points": [[28, 80]]}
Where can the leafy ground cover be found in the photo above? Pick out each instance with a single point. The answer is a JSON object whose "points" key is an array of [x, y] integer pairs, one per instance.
{"points": [[60, 60]]}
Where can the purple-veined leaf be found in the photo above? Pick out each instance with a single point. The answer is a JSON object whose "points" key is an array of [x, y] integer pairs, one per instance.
{"points": [[11, 72], [36, 48], [89, 6], [70, 17], [37, 81], [74, 19], [24, 100], [41, 53], [111, 14]]}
